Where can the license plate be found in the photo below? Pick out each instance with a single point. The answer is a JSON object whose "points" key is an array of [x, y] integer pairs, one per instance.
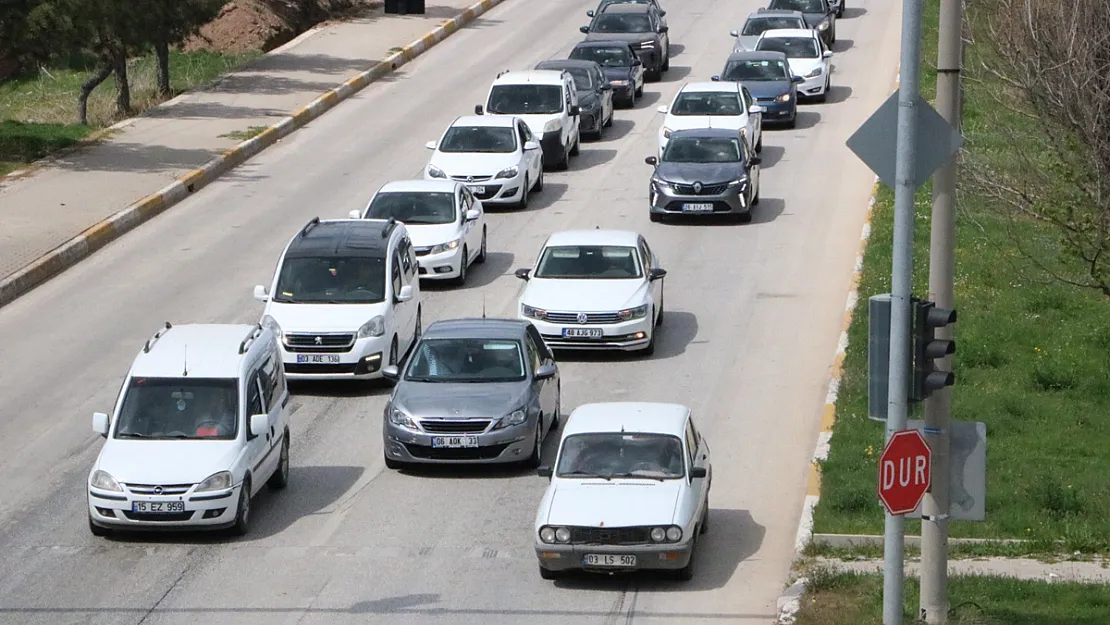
{"points": [[163, 507], [697, 208], [593, 559], [317, 359], [454, 441], [582, 333], [478, 190]]}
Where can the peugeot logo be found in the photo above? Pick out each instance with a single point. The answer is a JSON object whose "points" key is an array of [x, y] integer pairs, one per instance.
{"points": [[319, 340], [697, 187], [157, 490], [582, 318]]}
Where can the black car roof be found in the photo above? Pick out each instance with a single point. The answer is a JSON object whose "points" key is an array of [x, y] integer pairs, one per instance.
{"points": [[756, 55], [476, 327], [705, 133], [626, 7], [603, 43], [566, 64], [347, 237]]}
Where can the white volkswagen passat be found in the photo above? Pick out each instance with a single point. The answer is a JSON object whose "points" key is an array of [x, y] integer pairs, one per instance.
{"points": [[445, 221], [808, 57], [495, 155], [595, 289], [629, 491], [717, 105]]}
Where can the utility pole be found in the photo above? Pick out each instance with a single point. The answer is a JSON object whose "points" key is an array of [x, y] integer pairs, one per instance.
{"points": [[901, 290], [938, 406]]}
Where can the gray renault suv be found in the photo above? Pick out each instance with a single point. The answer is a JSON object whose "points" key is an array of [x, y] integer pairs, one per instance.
{"points": [[705, 171]]}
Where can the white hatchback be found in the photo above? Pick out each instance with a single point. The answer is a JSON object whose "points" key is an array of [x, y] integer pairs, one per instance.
{"points": [[497, 156], [808, 56], [724, 105], [629, 491], [446, 222]]}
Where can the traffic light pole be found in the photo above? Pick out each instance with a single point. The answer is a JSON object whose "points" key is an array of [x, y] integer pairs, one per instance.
{"points": [[901, 291], [935, 507]]}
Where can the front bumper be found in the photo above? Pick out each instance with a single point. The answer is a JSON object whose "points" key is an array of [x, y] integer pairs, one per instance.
{"points": [[812, 87], [779, 112], [441, 266], [631, 335], [491, 190], [731, 200], [509, 444], [209, 510], [648, 557], [553, 149], [623, 90], [591, 120], [652, 58], [335, 359]]}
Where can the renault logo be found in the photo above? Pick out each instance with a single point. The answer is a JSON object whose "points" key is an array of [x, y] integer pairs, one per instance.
{"points": [[582, 318], [697, 187], [157, 490], [319, 340]]}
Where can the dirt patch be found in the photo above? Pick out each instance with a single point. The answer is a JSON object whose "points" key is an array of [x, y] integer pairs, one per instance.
{"points": [[262, 25]]}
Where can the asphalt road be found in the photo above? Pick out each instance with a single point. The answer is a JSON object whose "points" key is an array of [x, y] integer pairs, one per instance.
{"points": [[753, 317]]}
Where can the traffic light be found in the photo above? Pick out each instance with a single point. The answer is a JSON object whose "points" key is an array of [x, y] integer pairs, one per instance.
{"points": [[927, 318]]}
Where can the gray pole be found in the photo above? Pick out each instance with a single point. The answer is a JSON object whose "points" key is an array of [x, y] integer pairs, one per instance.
{"points": [[935, 507], [901, 289]]}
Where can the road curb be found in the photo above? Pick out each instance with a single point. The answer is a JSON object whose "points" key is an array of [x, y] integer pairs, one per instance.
{"points": [[101, 234]]}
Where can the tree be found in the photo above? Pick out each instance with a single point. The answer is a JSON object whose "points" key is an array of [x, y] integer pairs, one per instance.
{"points": [[1054, 56], [170, 23]]}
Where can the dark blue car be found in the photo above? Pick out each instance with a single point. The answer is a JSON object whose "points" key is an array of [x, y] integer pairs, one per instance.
{"points": [[595, 94], [621, 65], [768, 77]]}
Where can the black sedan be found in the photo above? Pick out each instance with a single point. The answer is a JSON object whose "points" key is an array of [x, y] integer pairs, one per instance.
{"points": [[595, 94], [620, 65]]}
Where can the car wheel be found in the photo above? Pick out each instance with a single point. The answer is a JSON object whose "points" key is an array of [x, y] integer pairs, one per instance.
{"points": [[705, 517], [537, 449], [576, 148], [548, 574], [418, 331], [243, 511], [539, 181], [482, 252], [461, 279], [99, 532], [392, 362], [759, 144], [564, 162], [650, 349], [609, 122], [558, 406], [659, 315], [639, 93], [280, 478], [667, 61], [755, 199], [686, 573]]}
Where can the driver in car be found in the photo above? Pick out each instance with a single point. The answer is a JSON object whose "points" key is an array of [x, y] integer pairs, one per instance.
{"points": [[216, 419]]}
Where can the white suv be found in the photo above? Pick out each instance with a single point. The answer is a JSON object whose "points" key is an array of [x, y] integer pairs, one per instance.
{"points": [[345, 299], [200, 425], [547, 100]]}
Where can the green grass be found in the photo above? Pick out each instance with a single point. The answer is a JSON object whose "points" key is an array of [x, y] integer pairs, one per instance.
{"points": [[37, 113], [1031, 362], [245, 135], [857, 599]]}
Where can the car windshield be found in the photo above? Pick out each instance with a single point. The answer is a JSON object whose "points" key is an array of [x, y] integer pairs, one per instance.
{"points": [[746, 71], [621, 454], [605, 3], [525, 100], [491, 139], [605, 56], [331, 280], [413, 207], [805, 6], [621, 23], [792, 47], [589, 262], [756, 25], [707, 103], [583, 78], [702, 150], [467, 360], [185, 408]]}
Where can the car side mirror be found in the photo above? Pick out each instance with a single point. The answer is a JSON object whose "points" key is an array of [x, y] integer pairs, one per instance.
{"points": [[657, 274], [716, 78], [574, 110], [797, 79], [531, 145], [354, 215], [472, 214], [757, 160], [606, 87], [544, 471], [391, 373], [100, 424], [663, 29], [260, 293], [755, 108], [545, 372], [827, 54], [734, 33], [431, 145], [590, 13], [637, 62], [698, 472], [478, 109], [662, 14], [260, 424], [652, 160], [663, 109], [405, 293], [523, 274], [584, 29]]}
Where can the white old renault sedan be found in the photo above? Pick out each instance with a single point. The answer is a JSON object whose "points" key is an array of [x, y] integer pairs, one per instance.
{"points": [[629, 490]]}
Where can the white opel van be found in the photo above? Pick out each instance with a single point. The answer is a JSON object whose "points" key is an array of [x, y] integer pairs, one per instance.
{"points": [[547, 100]]}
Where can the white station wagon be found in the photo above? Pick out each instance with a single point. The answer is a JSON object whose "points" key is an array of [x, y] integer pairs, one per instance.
{"points": [[629, 491]]}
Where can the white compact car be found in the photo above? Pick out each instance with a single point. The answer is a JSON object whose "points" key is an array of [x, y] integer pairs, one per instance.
{"points": [[629, 491], [808, 57], [345, 299], [547, 100], [200, 426], [446, 222], [595, 289], [497, 156], [724, 105]]}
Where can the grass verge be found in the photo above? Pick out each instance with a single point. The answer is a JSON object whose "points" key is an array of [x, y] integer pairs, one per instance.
{"points": [[245, 135], [857, 599], [37, 112], [1031, 362]]}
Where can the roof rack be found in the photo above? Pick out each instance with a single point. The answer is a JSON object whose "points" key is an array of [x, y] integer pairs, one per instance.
{"points": [[390, 224], [154, 339], [315, 221], [255, 332]]}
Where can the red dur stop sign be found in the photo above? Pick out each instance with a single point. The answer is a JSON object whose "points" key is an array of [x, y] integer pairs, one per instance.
{"points": [[904, 472]]}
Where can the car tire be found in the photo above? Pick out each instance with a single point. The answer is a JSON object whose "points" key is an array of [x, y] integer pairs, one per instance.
{"points": [[482, 252], [824, 94], [536, 458], [461, 279], [243, 511], [393, 361], [609, 122], [558, 406], [280, 477], [639, 93], [759, 144], [705, 518], [548, 574], [523, 203], [662, 311], [564, 162], [650, 349], [417, 331], [686, 573], [755, 198], [539, 181], [96, 530], [576, 148], [667, 62]]}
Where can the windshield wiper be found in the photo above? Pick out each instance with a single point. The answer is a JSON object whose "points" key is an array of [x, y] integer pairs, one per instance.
{"points": [[639, 476], [607, 478], [131, 435]]}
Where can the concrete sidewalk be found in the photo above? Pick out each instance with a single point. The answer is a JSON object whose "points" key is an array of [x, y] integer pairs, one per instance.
{"points": [[49, 204], [1089, 571]]}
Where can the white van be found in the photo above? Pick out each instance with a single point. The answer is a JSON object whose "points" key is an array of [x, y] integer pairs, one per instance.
{"points": [[547, 100], [200, 425]]}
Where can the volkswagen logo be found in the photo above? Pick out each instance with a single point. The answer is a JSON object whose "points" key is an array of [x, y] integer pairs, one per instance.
{"points": [[157, 490], [697, 187], [319, 340], [582, 318]]}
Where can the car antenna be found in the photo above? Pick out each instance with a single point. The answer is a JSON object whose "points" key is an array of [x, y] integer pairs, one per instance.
{"points": [[483, 305], [185, 372]]}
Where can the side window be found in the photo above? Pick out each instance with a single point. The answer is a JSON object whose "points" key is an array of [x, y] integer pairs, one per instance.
{"points": [[746, 101], [278, 374], [522, 130], [566, 96], [537, 340], [406, 257], [645, 254], [691, 442], [533, 353], [254, 398], [396, 274]]}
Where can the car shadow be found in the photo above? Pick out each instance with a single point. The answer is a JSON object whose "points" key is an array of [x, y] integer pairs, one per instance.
{"points": [[771, 155], [619, 129], [537, 200], [768, 210], [842, 45], [591, 157], [478, 274], [649, 99], [838, 94], [732, 538], [806, 120], [339, 388], [678, 330], [468, 471], [852, 13], [676, 49], [674, 74]]}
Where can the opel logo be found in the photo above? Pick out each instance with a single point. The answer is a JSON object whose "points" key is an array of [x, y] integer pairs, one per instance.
{"points": [[157, 490], [470, 178], [697, 187], [582, 318], [319, 340]]}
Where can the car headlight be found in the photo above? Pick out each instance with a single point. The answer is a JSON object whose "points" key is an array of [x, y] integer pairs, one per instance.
{"points": [[619, 83], [515, 417], [399, 418], [666, 132], [644, 45], [374, 327], [439, 249], [271, 324], [532, 312], [102, 480], [660, 182], [436, 172], [633, 313], [216, 481], [551, 126], [823, 25], [738, 181], [783, 98], [674, 533], [547, 535], [508, 172], [658, 534], [817, 71]]}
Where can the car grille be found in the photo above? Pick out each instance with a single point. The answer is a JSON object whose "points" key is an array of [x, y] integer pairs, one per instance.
{"points": [[322, 369], [762, 101], [586, 120], [610, 536], [322, 342], [424, 452], [688, 189], [461, 426], [572, 317], [154, 516], [471, 178], [152, 489]]}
